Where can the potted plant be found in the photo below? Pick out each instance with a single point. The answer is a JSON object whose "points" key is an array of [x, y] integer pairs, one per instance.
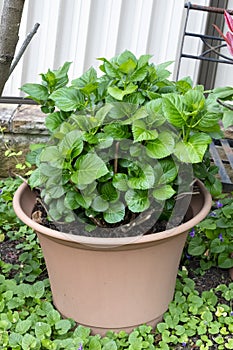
{"points": [[117, 183]]}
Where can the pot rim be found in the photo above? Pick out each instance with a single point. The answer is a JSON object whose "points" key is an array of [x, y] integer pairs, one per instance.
{"points": [[111, 242]]}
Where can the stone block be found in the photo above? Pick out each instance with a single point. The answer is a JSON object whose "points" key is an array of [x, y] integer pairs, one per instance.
{"points": [[28, 120], [6, 113]]}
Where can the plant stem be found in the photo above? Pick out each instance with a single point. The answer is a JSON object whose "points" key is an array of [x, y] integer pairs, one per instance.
{"points": [[116, 157]]}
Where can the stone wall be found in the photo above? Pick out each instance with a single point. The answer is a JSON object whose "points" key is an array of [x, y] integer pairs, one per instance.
{"points": [[23, 125]]}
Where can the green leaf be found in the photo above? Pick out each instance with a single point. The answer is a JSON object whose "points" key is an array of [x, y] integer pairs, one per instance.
{"points": [[108, 192], [87, 82], [215, 188], [225, 261], [89, 168], [227, 119], [110, 345], [194, 149], [173, 109], [38, 290], [61, 76], [99, 204], [128, 66], [15, 340], [53, 121], [120, 182], [124, 57], [63, 326], [163, 193], [137, 200], [117, 131], [144, 180], [162, 147], [169, 171], [115, 212], [119, 94], [36, 91], [139, 74], [209, 121], [53, 156], [141, 133], [154, 109], [42, 330], [23, 326], [68, 99], [196, 246], [71, 145], [71, 200], [28, 342]]}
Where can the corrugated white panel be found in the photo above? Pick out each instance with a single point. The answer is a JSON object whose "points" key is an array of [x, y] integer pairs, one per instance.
{"points": [[83, 30]]}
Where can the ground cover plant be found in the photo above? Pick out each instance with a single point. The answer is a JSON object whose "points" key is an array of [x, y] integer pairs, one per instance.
{"points": [[199, 317]]}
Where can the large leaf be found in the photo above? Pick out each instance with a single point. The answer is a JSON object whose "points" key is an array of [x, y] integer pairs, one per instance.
{"points": [[209, 121], [36, 91], [71, 144], [99, 204], [163, 193], [173, 109], [71, 200], [89, 168], [119, 94], [109, 69], [162, 147], [194, 99], [108, 192], [141, 133], [155, 112], [57, 78], [120, 182], [137, 200], [139, 74], [124, 57], [145, 180], [68, 99], [53, 156], [140, 113], [115, 213], [128, 66], [165, 171], [53, 121], [117, 131], [87, 82], [194, 149], [227, 119]]}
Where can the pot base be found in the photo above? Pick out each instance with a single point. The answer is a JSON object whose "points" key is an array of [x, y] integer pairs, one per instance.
{"points": [[102, 331]]}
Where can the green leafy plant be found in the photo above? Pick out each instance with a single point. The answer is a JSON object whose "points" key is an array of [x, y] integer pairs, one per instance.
{"points": [[27, 252], [212, 239], [120, 144]]}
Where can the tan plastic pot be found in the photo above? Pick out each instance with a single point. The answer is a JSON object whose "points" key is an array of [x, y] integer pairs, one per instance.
{"points": [[109, 283]]}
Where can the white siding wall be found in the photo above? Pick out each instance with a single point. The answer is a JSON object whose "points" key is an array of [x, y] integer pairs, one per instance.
{"points": [[83, 30]]}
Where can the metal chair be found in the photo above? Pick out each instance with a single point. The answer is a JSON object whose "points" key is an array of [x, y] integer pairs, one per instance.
{"points": [[221, 150]]}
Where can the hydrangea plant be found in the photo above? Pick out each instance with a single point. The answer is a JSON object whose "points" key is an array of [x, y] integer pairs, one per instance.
{"points": [[121, 143]]}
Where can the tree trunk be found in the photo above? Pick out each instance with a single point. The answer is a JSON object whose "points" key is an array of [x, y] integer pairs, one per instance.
{"points": [[9, 29]]}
